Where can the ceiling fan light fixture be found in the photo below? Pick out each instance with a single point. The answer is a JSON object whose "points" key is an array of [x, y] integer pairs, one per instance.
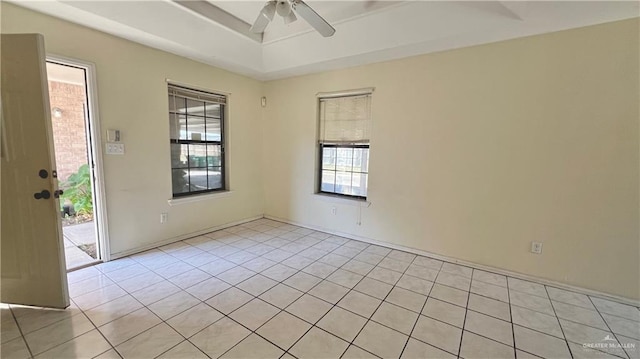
{"points": [[290, 18], [288, 9], [283, 8], [269, 10]]}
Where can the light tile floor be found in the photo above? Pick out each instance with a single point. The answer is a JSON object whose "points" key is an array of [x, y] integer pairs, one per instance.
{"points": [[266, 289]]}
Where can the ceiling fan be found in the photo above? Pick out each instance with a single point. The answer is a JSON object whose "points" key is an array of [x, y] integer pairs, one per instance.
{"points": [[288, 9]]}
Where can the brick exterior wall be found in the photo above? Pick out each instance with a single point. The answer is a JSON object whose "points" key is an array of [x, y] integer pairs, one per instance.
{"points": [[69, 134]]}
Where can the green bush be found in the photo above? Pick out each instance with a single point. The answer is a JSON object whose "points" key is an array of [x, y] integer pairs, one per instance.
{"points": [[77, 189]]}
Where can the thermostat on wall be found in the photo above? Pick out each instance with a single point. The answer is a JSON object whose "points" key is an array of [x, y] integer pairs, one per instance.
{"points": [[113, 135]]}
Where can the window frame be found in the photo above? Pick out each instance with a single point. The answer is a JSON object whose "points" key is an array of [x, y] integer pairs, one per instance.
{"points": [[221, 142], [321, 145]]}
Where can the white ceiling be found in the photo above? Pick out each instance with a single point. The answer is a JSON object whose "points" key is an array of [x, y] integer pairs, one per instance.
{"points": [[367, 31]]}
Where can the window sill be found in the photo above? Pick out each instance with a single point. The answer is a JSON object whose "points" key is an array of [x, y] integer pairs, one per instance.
{"points": [[198, 198], [342, 200]]}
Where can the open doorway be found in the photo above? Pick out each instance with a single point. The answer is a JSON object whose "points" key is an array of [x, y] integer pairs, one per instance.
{"points": [[72, 122]]}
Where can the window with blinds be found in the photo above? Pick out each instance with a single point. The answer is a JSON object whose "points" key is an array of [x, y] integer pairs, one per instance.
{"points": [[196, 120], [344, 134]]}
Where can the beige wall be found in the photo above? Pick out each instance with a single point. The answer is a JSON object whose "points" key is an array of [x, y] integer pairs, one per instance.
{"points": [[479, 151], [475, 152], [132, 97]]}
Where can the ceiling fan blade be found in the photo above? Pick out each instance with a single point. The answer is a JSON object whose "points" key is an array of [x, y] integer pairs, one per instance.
{"points": [[264, 17], [316, 21], [260, 24]]}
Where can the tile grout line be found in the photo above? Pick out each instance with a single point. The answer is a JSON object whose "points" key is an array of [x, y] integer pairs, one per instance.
{"points": [[128, 313], [257, 297], [223, 314], [488, 270], [313, 325], [333, 305], [558, 321], [513, 331], [284, 310], [165, 321], [368, 319], [362, 250], [97, 328], [382, 301], [553, 316], [24, 339], [586, 325], [464, 322], [421, 310], [610, 330], [65, 341], [144, 306], [476, 311], [385, 326], [220, 318]]}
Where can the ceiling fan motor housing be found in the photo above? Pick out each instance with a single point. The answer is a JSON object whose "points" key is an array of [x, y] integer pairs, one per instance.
{"points": [[283, 8]]}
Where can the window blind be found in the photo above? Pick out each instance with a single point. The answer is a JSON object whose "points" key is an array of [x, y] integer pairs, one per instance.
{"points": [[196, 95], [345, 120]]}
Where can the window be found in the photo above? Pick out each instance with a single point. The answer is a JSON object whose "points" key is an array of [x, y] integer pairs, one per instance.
{"points": [[197, 141], [345, 127]]}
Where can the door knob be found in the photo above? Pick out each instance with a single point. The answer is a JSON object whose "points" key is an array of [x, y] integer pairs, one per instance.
{"points": [[44, 194], [58, 193]]}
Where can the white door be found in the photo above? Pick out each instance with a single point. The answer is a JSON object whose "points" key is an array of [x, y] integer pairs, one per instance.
{"points": [[32, 252]]}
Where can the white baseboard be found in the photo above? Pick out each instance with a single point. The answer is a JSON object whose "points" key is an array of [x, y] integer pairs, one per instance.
{"points": [[509, 273], [180, 238]]}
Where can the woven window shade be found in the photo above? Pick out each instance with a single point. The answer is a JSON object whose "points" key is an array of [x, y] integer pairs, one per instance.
{"points": [[345, 120], [197, 95]]}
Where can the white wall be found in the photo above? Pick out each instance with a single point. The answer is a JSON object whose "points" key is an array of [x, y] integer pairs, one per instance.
{"points": [[132, 95], [479, 151]]}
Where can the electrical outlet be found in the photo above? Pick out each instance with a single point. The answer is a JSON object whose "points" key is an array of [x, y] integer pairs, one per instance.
{"points": [[334, 210], [536, 247], [164, 217]]}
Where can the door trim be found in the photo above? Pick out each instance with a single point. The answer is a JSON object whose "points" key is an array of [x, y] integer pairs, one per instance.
{"points": [[99, 195]]}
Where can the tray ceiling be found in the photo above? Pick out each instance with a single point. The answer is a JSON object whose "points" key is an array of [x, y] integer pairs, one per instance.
{"points": [[216, 32]]}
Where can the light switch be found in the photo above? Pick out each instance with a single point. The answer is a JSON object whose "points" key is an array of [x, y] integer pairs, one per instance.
{"points": [[115, 148]]}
